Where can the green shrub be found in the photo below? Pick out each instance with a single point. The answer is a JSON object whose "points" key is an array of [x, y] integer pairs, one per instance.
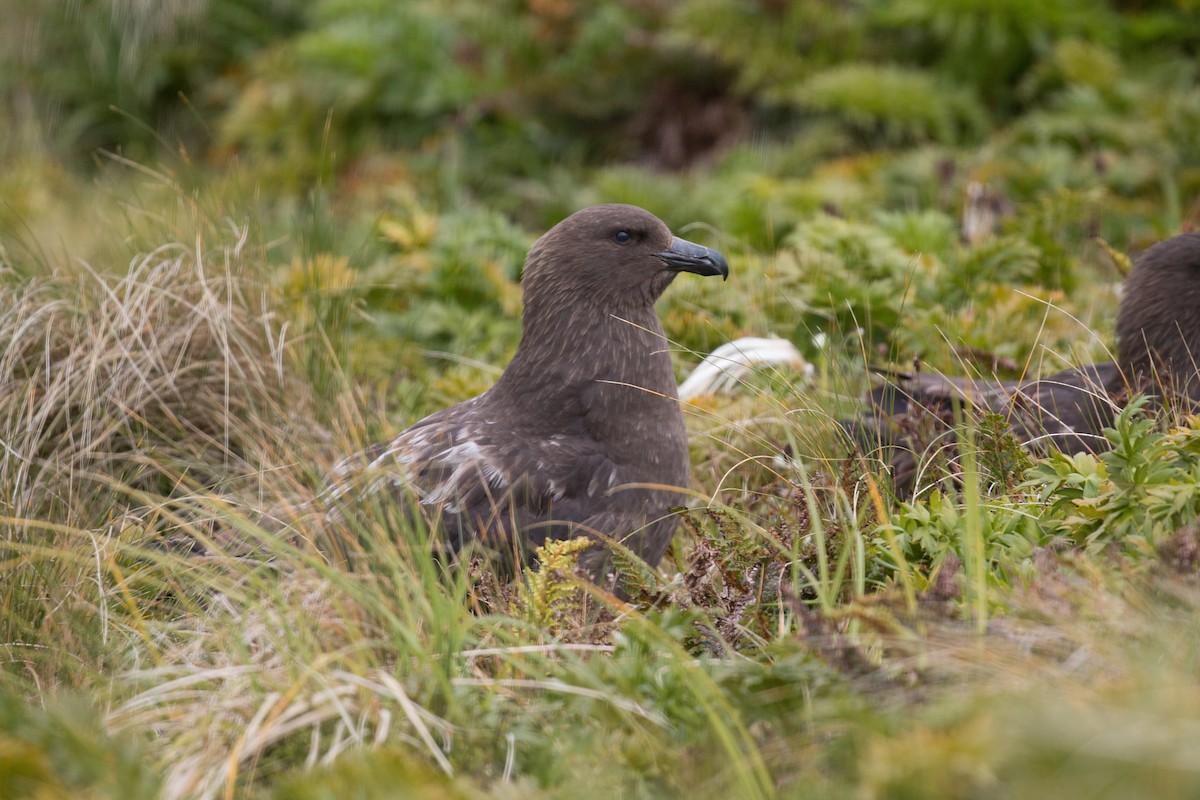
{"points": [[1135, 495], [893, 105], [987, 46], [359, 74]]}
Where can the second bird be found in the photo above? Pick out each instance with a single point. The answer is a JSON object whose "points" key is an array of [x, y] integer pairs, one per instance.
{"points": [[1158, 332]]}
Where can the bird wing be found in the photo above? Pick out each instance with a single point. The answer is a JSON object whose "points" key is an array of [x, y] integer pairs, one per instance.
{"points": [[905, 392], [913, 413], [478, 478], [1061, 398], [1070, 409]]}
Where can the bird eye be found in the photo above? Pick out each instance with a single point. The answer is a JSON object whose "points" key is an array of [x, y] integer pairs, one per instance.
{"points": [[622, 237]]}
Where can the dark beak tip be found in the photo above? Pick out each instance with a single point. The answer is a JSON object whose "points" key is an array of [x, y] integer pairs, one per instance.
{"points": [[685, 256], [717, 263], [722, 267]]}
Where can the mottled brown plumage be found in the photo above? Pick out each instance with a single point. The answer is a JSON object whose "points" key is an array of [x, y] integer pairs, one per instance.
{"points": [[1158, 330], [582, 434]]}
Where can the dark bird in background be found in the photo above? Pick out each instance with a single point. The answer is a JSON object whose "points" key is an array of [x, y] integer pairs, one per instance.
{"points": [[582, 434], [1158, 332], [1158, 324]]}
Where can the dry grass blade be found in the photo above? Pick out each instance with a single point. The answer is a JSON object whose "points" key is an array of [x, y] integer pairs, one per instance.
{"points": [[251, 680], [554, 685]]}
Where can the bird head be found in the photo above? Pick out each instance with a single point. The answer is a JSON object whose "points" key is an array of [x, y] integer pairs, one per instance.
{"points": [[614, 257]]}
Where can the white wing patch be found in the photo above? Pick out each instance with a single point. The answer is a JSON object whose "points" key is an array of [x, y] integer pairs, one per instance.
{"points": [[602, 483], [464, 460], [415, 454]]}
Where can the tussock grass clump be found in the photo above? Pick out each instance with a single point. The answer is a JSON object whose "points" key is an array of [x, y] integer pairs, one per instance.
{"points": [[125, 398], [165, 375]]}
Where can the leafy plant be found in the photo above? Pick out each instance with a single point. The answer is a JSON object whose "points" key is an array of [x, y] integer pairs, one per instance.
{"points": [[893, 105], [851, 276], [358, 71], [1136, 495], [550, 593], [987, 46]]}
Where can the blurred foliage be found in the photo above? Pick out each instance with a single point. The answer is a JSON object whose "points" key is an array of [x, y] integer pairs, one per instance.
{"points": [[893, 106], [500, 93], [358, 74], [128, 76], [986, 45], [373, 775], [63, 752]]}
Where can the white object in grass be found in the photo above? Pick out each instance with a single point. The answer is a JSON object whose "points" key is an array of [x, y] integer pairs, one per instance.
{"points": [[733, 361]]}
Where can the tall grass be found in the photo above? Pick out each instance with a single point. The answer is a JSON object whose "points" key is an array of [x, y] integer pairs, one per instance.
{"points": [[122, 393]]}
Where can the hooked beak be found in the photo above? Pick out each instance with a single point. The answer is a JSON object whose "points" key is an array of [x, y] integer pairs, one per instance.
{"points": [[685, 256]]}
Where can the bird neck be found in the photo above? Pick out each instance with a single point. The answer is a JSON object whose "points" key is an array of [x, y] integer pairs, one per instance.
{"points": [[605, 374], [585, 342]]}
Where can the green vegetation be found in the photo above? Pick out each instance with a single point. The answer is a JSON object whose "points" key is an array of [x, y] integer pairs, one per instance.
{"points": [[239, 240]]}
